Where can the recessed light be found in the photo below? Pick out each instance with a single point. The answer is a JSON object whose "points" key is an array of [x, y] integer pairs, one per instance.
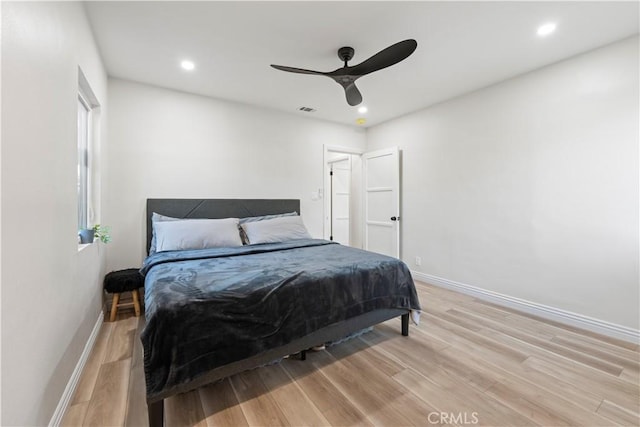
{"points": [[187, 65], [362, 110], [546, 29]]}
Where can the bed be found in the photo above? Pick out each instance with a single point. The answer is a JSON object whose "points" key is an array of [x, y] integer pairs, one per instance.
{"points": [[216, 311]]}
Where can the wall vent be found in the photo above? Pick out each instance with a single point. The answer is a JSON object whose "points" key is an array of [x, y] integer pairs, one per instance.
{"points": [[307, 109]]}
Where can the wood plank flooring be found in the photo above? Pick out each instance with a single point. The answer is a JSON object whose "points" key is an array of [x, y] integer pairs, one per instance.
{"points": [[468, 363]]}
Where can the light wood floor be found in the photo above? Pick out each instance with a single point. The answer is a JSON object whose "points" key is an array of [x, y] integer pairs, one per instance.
{"points": [[469, 362]]}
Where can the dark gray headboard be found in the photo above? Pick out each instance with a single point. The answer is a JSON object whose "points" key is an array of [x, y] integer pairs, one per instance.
{"points": [[217, 208]]}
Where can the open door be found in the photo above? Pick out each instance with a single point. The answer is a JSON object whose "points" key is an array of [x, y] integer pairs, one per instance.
{"points": [[381, 170], [339, 204]]}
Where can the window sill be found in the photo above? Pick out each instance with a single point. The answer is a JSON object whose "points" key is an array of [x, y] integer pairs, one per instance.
{"points": [[82, 246]]}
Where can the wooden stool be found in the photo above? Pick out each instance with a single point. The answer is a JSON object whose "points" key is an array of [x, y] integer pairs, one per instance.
{"points": [[118, 282]]}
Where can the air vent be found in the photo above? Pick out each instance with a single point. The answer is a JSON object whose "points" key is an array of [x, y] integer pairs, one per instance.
{"points": [[307, 109]]}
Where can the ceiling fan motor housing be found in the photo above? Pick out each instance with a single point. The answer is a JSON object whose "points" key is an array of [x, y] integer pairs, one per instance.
{"points": [[345, 54]]}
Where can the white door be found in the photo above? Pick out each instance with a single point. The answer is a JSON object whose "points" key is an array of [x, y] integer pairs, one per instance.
{"points": [[381, 170], [340, 184]]}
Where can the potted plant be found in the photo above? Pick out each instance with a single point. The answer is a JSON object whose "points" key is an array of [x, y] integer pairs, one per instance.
{"points": [[102, 232]]}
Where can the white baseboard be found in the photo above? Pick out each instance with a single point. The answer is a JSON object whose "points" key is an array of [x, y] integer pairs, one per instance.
{"points": [[562, 316], [63, 404]]}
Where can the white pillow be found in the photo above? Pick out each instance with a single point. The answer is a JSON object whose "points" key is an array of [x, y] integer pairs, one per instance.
{"points": [[243, 235], [196, 234], [276, 230], [156, 217]]}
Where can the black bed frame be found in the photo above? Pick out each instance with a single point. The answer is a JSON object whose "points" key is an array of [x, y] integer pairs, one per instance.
{"points": [[241, 208]]}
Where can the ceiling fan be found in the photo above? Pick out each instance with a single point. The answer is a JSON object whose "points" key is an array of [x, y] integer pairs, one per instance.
{"points": [[347, 76]]}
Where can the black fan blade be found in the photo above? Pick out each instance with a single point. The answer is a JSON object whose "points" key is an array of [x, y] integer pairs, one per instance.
{"points": [[354, 97], [297, 70], [385, 58]]}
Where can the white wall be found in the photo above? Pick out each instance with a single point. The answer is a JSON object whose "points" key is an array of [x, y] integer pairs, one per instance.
{"points": [[164, 143], [529, 188], [51, 292]]}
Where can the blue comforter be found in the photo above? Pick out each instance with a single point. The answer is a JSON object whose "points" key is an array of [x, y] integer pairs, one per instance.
{"points": [[206, 308]]}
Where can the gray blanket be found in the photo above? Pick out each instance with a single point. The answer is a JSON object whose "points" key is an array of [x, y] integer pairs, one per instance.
{"points": [[207, 308]]}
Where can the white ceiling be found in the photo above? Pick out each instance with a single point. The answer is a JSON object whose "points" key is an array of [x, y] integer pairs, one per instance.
{"points": [[462, 46]]}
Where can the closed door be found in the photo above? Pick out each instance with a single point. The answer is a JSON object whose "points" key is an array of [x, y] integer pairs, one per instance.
{"points": [[381, 170], [340, 183]]}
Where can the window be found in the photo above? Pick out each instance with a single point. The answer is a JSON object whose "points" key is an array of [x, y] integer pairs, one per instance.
{"points": [[84, 129], [88, 126]]}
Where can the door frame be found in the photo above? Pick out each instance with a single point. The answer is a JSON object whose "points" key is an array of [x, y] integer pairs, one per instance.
{"points": [[332, 192], [326, 149]]}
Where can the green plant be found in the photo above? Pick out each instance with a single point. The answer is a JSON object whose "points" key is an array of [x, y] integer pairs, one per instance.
{"points": [[102, 233]]}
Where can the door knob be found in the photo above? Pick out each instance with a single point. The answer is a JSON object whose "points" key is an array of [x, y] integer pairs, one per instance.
{"points": [[393, 218]]}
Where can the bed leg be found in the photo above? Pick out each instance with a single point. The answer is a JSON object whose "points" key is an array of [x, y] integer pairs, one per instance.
{"points": [[405, 325], [156, 413], [303, 355]]}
